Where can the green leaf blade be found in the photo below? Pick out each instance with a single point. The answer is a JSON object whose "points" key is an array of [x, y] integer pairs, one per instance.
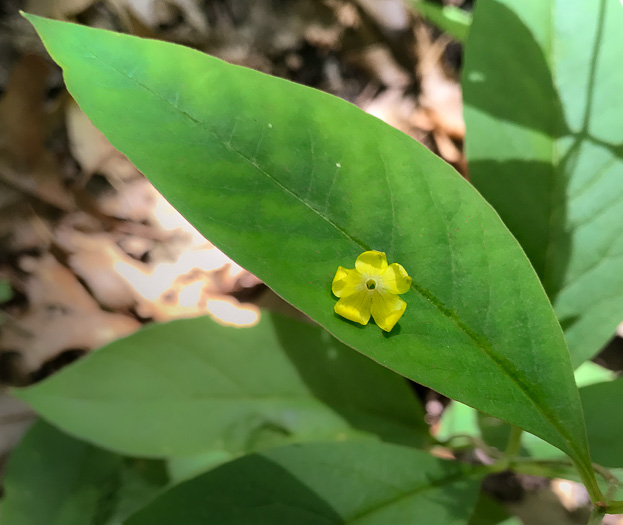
{"points": [[192, 386], [292, 182], [322, 484], [544, 147], [52, 478], [604, 423]]}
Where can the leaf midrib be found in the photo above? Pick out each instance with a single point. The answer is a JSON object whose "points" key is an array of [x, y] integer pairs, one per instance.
{"points": [[471, 334]]}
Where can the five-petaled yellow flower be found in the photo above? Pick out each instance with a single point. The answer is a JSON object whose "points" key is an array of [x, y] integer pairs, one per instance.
{"points": [[372, 287]]}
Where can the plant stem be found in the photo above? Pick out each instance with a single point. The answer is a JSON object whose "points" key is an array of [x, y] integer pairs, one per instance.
{"points": [[614, 507], [587, 474], [596, 516], [613, 481], [507, 460], [514, 444]]}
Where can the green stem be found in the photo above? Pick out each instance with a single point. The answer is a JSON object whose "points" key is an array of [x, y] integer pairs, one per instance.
{"points": [[612, 480], [512, 451], [614, 507], [596, 516], [587, 474], [514, 444]]}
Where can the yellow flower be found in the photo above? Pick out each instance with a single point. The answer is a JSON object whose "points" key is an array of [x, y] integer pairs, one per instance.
{"points": [[372, 287]]}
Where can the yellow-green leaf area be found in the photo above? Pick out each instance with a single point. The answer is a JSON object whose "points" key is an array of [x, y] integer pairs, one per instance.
{"points": [[293, 183]]}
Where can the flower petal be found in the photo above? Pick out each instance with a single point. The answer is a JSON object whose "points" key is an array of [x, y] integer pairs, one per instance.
{"points": [[396, 279], [371, 263], [355, 307], [346, 282], [387, 309]]}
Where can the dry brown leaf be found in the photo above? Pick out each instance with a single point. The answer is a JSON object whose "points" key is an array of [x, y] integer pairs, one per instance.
{"points": [[133, 200], [380, 64], [181, 288], [93, 258], [86, 143], [93, 151], [21, 228], [447, 148], [391, 14], [61, 316], [59, 9], [393, 106], [25, 164], [440, 94]]}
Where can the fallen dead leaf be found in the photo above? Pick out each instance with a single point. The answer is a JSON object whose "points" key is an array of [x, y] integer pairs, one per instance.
{"points": [[25, 163], [61, 316]]}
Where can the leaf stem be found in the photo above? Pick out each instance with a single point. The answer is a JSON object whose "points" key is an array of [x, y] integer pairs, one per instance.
{"points": [[614, 507], [514, 444], [587, 474], [596, 517], [512, 451]]}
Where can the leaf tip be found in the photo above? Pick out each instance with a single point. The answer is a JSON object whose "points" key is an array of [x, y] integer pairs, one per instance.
{"points": [[35, 20], [28, 16]]}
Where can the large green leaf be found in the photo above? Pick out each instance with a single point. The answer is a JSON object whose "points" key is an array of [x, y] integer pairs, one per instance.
{"points": [[601, 395], [193, 386], [53, 479], [545, 147], [340, 483], [292, 182]]}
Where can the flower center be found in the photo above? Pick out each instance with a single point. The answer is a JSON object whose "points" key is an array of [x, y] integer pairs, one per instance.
{"points": [[370, 284]]}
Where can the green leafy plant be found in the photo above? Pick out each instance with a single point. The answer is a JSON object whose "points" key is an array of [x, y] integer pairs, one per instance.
{"points": [[450, 19], [292, 184]]}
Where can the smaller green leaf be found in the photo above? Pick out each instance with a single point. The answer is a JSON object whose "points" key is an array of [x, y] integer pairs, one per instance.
{"points": [[604, 421], [589, 373], [458, 420], [366, 483], [450, 19], [192, 386], [53, 479]]}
